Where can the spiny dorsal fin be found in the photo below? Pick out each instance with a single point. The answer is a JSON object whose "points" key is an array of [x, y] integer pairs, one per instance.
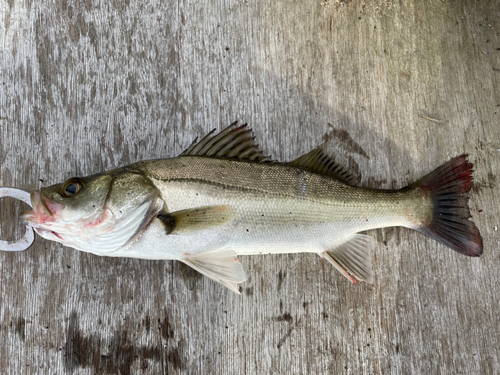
{"points": [[353, 258], [233, 142], [323, 161]]}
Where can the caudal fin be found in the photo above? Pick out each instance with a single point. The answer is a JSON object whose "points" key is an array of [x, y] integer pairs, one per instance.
{"points": [[449, 185]]}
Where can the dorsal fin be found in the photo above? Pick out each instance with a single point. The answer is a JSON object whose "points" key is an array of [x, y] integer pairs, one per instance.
{"points": [[323, 161], [233, 142]]}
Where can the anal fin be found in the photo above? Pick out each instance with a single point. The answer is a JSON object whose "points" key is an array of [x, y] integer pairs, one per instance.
{"points": [[221, 265], [353, 258]]}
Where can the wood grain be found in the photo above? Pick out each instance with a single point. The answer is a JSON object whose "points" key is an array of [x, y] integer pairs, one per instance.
{"points": [[86, 86]]}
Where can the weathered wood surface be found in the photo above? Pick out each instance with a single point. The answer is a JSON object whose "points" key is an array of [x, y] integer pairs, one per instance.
{"points": [[87, 86]]}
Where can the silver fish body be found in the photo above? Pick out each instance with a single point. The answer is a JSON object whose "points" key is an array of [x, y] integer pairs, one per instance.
{"points": [[222, 198], [270, 208]]}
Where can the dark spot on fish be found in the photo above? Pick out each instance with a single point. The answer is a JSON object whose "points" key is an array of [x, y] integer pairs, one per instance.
{"points": [[324, 314], [249, 291], [40, 180], [240, 289], [147, 323], [247, 230], [305, 304]]}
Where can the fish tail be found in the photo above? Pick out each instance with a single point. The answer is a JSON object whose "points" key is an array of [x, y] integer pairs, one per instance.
{"points": [[448, 186]]}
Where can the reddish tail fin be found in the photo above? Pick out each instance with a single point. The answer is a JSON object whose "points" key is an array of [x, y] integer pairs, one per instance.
{"points": [[449, 185]]}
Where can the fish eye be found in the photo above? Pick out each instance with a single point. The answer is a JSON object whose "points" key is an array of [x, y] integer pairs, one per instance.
{"points": [[72, 187]]}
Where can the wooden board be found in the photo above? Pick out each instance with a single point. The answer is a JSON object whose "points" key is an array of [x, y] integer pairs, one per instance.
{"points": [[87, 86]]}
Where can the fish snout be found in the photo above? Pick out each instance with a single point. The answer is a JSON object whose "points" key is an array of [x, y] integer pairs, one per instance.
{"points": [[44, 210]]}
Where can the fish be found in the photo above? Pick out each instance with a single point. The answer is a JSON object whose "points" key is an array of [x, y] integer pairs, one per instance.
{"points": [[222, 198]]}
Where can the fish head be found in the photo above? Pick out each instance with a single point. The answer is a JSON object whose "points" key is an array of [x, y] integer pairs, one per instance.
{"points": [[63, 210], [97, 214]]}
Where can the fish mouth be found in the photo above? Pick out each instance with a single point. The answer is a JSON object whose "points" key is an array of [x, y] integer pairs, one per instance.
{"points": [[44, 211]]}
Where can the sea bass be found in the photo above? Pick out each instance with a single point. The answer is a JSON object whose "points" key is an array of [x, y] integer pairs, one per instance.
{"points": [[222, 198]]}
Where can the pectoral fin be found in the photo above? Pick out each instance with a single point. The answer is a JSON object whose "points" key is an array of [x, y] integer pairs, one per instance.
{"points": [[194, 219], [353, 258], [219, 265]]}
